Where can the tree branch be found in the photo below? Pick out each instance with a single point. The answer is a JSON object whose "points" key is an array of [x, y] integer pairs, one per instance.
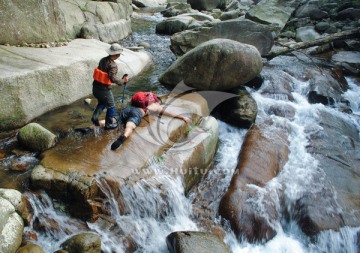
{"points": [[355, 33]]}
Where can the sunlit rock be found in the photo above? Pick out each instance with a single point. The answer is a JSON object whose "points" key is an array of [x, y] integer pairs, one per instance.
{"points": [[20, 202], [11, 227]]}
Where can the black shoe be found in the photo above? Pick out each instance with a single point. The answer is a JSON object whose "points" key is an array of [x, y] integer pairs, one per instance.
{"points": [[118, 142], [110, 126], [95, 122]]}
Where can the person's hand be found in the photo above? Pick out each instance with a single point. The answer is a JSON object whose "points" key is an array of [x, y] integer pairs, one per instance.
{"points": [[186, 119]]}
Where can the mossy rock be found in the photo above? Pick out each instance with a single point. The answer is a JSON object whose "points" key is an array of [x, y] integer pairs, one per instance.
{"points": [[36, 138]]}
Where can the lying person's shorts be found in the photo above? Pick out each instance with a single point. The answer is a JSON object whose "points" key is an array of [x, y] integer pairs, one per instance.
{"points": [[129, 113]]}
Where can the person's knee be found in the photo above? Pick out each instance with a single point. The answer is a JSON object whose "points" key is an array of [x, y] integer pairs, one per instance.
{"points": [[130, 125]]}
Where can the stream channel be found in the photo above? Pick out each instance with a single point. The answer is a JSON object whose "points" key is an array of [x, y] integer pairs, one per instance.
{"points": [[143, 222]]}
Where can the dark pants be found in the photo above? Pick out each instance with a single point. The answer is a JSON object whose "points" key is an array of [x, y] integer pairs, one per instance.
{"points": [[129, 113], [105, 100]]}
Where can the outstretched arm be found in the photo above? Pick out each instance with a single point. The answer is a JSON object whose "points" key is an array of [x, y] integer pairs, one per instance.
{"points": [[157, 108]]}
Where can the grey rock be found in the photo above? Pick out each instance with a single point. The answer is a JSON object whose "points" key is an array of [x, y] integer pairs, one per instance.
{"points": [[199, 68]]}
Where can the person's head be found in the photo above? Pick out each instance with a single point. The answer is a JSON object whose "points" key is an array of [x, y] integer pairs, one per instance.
{"points": [[115, 51]]}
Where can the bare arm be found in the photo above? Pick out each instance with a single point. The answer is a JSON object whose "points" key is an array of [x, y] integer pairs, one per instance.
{"points": [[157, 108]]}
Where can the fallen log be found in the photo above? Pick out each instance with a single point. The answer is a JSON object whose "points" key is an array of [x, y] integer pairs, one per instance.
{"points": [[354, 33]]}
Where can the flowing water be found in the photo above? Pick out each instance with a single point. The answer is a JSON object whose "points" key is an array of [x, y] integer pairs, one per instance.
{"points": [[157, 205]]}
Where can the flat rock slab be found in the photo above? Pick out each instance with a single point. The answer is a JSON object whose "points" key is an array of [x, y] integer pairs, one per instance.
{"points": [[90, 155], [36, 80]]}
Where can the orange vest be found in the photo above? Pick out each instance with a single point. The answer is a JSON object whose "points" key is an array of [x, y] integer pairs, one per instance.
{"points": [[101, 77]]}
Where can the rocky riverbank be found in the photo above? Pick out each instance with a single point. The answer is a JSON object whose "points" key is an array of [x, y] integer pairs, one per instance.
{"points": [[89, 181]]}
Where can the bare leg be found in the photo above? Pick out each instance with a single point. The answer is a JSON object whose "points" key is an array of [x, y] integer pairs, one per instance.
{"points": [[129, 128]]}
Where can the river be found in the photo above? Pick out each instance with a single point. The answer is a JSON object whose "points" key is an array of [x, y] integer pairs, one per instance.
{"points": [[151, 217]]}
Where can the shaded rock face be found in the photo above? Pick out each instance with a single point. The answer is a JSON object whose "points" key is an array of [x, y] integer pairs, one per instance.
{"points": [[204, 5], [244, 31], [219, 64], [36, 138], [191, 242], [263, 154], [336, 206], [239, 111], [31, 21]]}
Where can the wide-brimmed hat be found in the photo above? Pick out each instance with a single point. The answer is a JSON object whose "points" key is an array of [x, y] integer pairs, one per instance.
{"points": [[115, 49]]}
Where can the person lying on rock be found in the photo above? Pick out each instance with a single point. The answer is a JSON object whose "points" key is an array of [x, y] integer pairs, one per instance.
{"points": [[104, 75], [141, 104]]}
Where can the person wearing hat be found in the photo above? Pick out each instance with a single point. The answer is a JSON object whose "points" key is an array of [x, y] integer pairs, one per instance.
{"points": [[104, 76]]}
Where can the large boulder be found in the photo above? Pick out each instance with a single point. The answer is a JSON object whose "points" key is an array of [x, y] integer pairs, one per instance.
{"points": [[244, 31], [263, 154], [11, 227], [207, 5], [31, 21], [195, 242], [218, 64], [37, 80], [36, 138], [274, 12], [108, 21]]}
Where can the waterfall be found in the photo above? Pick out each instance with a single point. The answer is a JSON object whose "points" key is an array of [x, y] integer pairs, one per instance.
{"points": [[155, 207], [301, 173]]}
